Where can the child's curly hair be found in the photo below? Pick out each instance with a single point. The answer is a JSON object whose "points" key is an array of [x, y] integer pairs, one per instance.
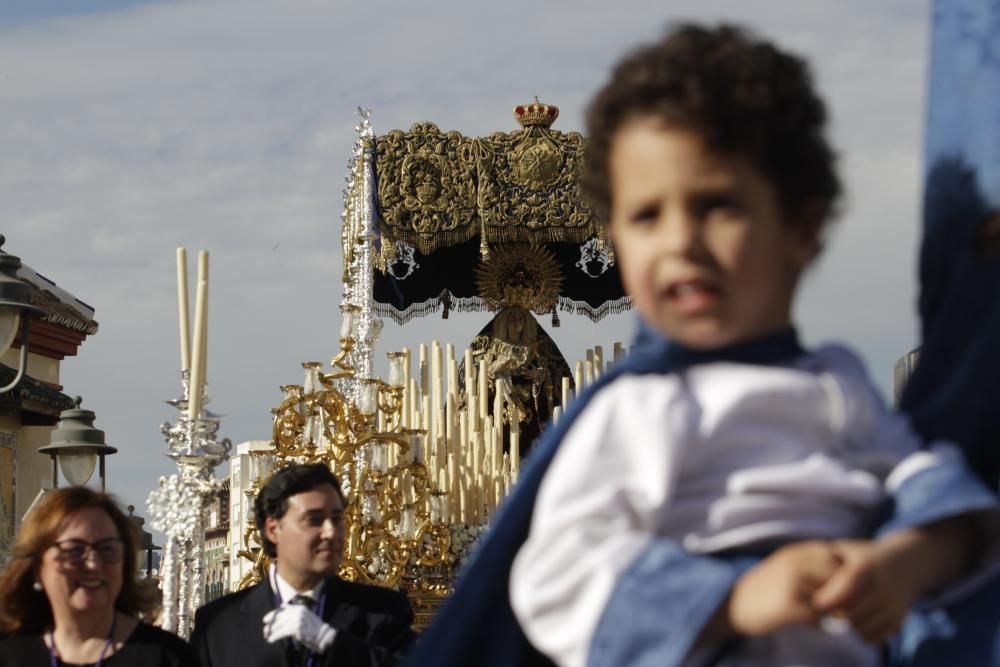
{"points": [[741, 93]]}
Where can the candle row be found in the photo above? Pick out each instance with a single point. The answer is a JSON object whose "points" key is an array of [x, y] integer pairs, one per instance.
{"points": [[472, 454]]}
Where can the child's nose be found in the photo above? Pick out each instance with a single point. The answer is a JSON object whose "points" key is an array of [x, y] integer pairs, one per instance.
{"points": [[678, 233]]}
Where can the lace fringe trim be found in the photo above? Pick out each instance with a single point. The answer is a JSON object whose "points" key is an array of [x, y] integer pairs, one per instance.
{"points": [[447, 303]]}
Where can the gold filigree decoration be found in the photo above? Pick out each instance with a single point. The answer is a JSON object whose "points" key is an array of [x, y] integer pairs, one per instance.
{"points": [[395, 531], [438, 189], [519, 275], [426, 189]]}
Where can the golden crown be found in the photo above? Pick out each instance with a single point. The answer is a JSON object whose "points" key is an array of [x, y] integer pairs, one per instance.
{"points": [[536, 114]]}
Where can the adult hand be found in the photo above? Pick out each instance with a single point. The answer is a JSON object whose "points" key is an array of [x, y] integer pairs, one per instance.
{"points": [[300, 623]]}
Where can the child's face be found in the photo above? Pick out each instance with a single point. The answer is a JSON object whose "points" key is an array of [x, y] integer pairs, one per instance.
{"points": [[700, 238]]}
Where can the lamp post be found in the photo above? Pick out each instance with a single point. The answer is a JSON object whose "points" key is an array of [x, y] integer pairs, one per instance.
{"points": [[147, 540], [15, 311], [77, 447]]}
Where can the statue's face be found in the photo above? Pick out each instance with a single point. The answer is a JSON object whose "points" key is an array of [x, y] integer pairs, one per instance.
{"points": [[515, 323]]}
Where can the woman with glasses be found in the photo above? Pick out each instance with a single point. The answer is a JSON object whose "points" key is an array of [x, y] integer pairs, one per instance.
{"points": [[70, 595]]}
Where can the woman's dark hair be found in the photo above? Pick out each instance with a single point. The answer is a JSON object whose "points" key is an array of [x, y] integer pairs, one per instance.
{"points": [[24, 610], [272, 501], [742, 94]]}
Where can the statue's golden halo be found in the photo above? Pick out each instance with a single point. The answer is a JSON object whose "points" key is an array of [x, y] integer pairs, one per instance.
{"points": [[519, 275]]}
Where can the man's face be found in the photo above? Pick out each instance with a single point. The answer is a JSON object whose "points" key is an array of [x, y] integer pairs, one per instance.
{"points": [[309, 538], [701, 241]]}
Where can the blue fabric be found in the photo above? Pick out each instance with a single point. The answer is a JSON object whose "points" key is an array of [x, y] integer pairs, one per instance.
{"points": [[938, 493], [954, 392], [476, 626], [964, 633], [639, 630]]}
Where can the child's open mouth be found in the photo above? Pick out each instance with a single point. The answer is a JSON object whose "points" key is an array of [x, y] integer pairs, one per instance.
{"points": [[691, 296]]}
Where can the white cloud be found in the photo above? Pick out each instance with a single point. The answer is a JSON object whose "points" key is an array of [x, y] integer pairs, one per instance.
{"points": [[227, 125]]}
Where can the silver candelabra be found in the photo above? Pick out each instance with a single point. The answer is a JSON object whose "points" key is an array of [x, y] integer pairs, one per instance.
{"points": [[177, 508]]}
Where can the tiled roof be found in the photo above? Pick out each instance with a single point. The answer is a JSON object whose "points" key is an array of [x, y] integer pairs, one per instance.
{"points": [[61, 307], [31, 389]]}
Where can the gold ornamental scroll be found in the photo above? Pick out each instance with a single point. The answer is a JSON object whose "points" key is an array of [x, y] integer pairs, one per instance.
{"points": [[437, 189]]}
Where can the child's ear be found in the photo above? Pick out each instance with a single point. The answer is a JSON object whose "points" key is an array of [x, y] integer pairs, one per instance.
{"points": [[807, 231]]}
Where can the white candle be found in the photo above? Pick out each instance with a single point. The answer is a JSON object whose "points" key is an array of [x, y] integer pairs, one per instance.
{"points": [[498, 401], [469, 389], [465, 461], [436, 383], [515, 451], [182, 307], [497, 492], [476, 439], [565, 392], [404, 409], [414, 404], [442, 480], [449, 419], [424, 370], [484, 396], [578, 378], [203, 277], [451, 365], [198, 358], [454, 484], [463, 502]]}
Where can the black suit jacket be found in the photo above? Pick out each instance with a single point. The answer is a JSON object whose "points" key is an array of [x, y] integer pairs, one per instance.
{"points": [[373, 628]]}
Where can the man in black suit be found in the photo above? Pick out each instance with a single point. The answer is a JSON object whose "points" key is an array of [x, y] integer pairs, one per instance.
{"points": [[302, 614]]}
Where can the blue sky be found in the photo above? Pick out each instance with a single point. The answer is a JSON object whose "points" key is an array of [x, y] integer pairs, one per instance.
{"points": [[227, 125]]}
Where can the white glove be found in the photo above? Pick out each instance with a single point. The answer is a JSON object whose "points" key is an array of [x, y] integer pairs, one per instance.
{"points": [[299, 623]]}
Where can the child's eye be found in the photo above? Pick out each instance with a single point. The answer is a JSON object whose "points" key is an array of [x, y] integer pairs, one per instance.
{"points": [[721, 207], [645, 215]]}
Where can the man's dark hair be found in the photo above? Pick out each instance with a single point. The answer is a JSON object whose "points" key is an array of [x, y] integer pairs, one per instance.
{"points": [[272, 501], [743, 95]]}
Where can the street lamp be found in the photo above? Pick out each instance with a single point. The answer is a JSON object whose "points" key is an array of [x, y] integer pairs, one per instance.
{"points": [[147, 540], [15, 309], [77, 447]]}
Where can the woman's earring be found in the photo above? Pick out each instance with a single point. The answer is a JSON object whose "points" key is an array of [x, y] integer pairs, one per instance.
{"points": [[37, 586]]}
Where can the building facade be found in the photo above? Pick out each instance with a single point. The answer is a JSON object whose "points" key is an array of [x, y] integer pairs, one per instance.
{"points": [[29, 412], [216, 554], [242, 478]]}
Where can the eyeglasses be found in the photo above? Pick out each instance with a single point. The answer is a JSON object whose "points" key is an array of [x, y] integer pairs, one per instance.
{"points": [[76, 552]]}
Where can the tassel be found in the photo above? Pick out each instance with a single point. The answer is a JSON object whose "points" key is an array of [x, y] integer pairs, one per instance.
{"points": [[484, 247], [446, 304], [555, 318]]}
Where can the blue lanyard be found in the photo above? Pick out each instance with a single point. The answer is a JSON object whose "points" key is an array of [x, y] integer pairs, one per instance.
{"points": [[310, 661], [54, 659]]}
